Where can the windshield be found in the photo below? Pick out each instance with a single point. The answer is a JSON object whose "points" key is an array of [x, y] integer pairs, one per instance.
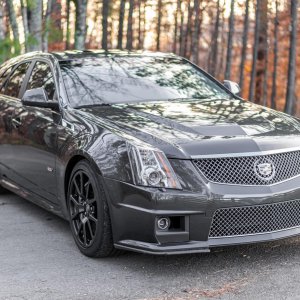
{"points": [[111, 80]]}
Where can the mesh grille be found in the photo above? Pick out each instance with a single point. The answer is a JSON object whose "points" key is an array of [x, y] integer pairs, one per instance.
{"points": [[255, 219], [245, 170]]}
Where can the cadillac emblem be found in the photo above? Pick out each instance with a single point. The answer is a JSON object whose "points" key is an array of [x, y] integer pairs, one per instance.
{"points": [[264, 169]]}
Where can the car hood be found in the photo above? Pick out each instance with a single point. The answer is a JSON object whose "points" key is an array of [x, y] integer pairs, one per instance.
{"points": [[191, 128]]}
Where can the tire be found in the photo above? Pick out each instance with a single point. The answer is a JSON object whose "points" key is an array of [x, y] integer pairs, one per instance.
{"points": [[88, 212]]}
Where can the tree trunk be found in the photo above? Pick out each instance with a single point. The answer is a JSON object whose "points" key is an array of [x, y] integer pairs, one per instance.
{"points": [[2, 32], [105, 11], [25, 23], [55, 25], [159, 13], [143, 27], [129, 26], [187, 30], [140, 25], [223, 46], [229, 42], [34, 13], [178, 8], [245, 44], [68, 25], [14, 25], [290, 92], [265, 76], [80, 24], [254, 56], [195, 38], [121, 24], [47, 25], [215, 47], [261, 51], [275, 57], [181, 36]]}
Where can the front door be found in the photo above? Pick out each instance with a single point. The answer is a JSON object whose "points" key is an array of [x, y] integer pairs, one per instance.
{"points": [[37, 129]]}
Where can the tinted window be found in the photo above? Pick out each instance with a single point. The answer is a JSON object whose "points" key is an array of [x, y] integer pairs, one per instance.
{"points": [[15, 81], [4, 75], [136, 79], [41, 76]]}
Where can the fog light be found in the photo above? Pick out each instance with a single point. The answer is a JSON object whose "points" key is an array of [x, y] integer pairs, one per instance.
{"points": [[163, 223]]}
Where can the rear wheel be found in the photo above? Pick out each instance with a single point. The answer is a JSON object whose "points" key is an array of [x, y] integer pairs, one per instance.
{"points": [[88, 212]]}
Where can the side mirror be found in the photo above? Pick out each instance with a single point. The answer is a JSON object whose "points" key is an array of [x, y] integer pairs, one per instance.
{"points": [[38, 98], [233, 87]]}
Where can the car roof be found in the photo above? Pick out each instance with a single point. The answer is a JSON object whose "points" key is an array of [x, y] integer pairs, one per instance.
{"points": [[79, 54]]}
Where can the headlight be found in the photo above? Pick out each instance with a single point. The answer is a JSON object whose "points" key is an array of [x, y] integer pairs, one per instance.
{"points": [[150, 167]]}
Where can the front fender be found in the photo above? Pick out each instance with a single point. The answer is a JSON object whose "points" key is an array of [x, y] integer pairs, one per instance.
{"points": [[106, 151]]}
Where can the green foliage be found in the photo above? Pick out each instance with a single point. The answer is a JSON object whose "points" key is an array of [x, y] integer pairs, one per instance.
{"points": [[31, 40], [54, 34], [8, 49], [31, 4]]}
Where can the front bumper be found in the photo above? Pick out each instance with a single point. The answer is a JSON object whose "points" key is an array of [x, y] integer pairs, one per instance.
{"points": [[203, 246], [134, 212]]}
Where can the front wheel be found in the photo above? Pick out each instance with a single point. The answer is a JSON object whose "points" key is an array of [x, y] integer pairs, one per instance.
{"points": [[88, 212]]}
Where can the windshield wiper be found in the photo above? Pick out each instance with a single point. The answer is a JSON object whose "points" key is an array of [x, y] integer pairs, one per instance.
{"points": [[91, 105]]}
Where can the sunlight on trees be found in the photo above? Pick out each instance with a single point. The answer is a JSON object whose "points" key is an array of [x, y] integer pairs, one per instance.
{"points": [[253, 42]]}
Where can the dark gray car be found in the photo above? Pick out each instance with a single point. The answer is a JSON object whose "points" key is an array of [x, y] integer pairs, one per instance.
{"points": [[146, 152]]}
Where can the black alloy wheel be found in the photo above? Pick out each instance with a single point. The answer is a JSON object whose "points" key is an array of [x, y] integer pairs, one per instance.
{"points": [[88, 212]]}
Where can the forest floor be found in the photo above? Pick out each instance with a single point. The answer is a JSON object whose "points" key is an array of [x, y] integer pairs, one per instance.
{"points": [[39, 260]]}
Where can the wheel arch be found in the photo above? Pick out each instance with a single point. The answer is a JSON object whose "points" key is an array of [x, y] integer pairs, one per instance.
{"points": [[73, 161]]}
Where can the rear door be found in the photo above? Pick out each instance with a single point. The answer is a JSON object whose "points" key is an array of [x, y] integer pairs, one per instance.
{"points": [[37, 129]]}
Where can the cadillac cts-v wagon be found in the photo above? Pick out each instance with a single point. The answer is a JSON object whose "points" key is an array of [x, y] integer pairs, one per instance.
{"points": [[146, 152]]}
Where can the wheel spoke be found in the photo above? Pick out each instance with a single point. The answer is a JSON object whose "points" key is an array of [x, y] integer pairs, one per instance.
{"points": [[90, 201], [74, 201], [87, 189], [81, 183], [76, 187], [79, 228], [78, 206], [84, 234], [92, 218], [75, 215], [90, 228]]}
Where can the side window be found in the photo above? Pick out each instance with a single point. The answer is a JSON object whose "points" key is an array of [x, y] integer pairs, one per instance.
{"points": [[3, 77], [41, 76], [15, 80]]}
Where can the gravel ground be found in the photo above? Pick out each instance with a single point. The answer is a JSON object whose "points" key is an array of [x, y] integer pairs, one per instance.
{"points": [[39, 260]]}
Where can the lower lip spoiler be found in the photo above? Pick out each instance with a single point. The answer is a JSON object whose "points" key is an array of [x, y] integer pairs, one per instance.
{"points": [[204, 246]]}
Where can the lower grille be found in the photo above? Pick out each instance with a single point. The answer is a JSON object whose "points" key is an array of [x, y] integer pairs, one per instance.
{"points": [[255, 219]]}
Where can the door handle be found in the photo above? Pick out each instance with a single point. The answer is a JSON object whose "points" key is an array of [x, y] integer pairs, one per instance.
{"points": [[16, 122]]}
